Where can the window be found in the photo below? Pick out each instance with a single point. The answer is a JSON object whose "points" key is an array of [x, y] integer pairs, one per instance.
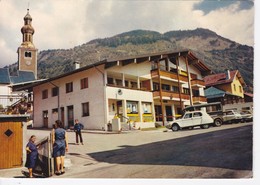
{"points": [[132, 107], [166, 87], [126, 83], [45, 94], [229, 113], [196, 92], [28, 54], [69, 87], [147, 108], [119, 82], [234, 87], [153, 65], [155, 86], [175, 89], [110, 80], [55, 111], [55, 91], [134, 85], [85, 109], [186, 91], [189, 115], [84, 83], [197, 114], [240, 89]]}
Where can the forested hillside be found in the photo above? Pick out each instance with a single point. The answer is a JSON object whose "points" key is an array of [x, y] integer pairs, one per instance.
{"points": [[217, 52]]}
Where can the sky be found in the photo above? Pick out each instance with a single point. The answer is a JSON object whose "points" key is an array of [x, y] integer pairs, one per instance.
{"points": [[64, 24]]}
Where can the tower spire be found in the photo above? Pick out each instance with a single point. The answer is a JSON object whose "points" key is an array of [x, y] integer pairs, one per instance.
{"points": [[27, 53], [27, 30]]}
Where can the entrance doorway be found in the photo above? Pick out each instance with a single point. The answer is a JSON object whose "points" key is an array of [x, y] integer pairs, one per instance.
{"points": [[62, 115], [158, 112], [169, 113], [45, 118], [120, 110], [70, 116]]}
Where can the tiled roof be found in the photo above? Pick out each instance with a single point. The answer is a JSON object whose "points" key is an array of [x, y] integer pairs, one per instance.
{"points": [[220, 78], [4, 76]]}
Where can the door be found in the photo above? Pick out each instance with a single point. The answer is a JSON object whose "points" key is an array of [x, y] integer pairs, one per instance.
{"points": [[169, 113], [62, 115], [45, 118], [70, 116], [119, 110], [158, 112], [197, 118], [229, 116], [11, 147], [187, 120]]}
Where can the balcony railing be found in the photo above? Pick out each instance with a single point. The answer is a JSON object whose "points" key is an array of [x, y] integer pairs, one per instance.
{"points": [[197, 82], [168, 74], [171, 95], [124, 87], [199, 99]]}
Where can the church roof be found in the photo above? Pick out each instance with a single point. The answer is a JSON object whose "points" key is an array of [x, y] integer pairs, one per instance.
{"points": [[4, 76], [22, 76]]}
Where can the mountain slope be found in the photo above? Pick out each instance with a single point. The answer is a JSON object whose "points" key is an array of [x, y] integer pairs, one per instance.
{"points": [[217, 52]]}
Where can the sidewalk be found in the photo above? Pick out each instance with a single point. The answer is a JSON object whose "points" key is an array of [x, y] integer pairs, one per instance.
{"points": [[70, 161]]}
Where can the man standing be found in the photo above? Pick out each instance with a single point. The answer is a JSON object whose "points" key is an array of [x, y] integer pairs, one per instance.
{"points": [[77, 129]]}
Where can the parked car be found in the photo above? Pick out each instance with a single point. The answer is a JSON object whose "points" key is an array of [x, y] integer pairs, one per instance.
{"points": [[190, 120], [246, 115], [231, 116]]}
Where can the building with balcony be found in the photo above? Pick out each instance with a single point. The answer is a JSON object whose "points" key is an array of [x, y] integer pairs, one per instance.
{"points": [[141, 90], [228, 88]]}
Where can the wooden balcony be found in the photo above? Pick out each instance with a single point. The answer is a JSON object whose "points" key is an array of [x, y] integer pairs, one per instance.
{"points": [[124, 87], [168, 74], [199, 99], [197, 82], [171, 95]]}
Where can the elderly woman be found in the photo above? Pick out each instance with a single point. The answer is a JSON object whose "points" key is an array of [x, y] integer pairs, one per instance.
{"points": [[60, 146], [32, 153]]}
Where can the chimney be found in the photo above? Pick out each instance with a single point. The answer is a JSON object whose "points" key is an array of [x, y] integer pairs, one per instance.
{"points": [[76, 65], [228, 74]]}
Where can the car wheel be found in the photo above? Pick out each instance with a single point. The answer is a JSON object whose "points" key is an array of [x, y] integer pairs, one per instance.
{"points": [[218, 122], [205, 126], [175, 127]]}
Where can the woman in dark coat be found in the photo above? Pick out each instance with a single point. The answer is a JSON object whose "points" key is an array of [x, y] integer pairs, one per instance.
{"points": [[32, 153], [60, 146]]}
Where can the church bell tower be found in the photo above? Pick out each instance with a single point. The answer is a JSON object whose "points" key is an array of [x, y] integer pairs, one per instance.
{"points": [[27, 53]]}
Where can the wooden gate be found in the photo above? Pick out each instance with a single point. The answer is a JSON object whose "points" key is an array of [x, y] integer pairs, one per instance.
{"points": [[11, 144]]}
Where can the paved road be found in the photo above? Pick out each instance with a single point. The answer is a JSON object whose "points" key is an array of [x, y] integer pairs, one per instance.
{"points": [[223, 152], [218, 152]]}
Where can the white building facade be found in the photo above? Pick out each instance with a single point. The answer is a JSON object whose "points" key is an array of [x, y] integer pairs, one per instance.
{"points": [[141, 90]]}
